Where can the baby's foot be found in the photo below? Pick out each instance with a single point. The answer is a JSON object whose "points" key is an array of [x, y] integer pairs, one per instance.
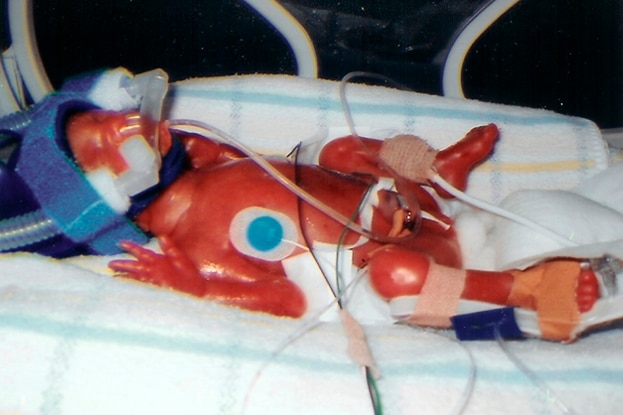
{"points": [[587, 290]]}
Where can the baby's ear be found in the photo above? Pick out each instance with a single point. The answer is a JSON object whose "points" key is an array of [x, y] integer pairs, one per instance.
{"points": [[164, 138]]}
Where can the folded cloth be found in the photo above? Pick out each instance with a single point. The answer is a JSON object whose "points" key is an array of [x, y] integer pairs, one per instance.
{"points": [[588, 218], [75, 342]]}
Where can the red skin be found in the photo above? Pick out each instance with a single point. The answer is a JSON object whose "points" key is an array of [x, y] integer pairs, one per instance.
{"points": [[98, 135], [191, 220], [454, 163], [193, 225], [397, 270]]}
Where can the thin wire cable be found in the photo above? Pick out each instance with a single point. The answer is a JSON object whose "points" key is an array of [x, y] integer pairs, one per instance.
{"points": [[536, 380], [338, 258], [373, 391], [305, 328], [308, 242], [468, 391]]}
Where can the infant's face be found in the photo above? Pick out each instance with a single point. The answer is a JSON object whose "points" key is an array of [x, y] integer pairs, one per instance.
{"points": [[95, 136]]}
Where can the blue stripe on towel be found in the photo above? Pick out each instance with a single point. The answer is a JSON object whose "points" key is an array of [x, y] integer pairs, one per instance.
{"points": [[311, 102], [454, 367], [511, 375], [44, 326]]}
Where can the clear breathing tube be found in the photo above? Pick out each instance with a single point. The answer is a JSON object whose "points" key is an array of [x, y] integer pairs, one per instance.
{"points": [[30, 228], [16, 121], [149, 89], [20, 231]]}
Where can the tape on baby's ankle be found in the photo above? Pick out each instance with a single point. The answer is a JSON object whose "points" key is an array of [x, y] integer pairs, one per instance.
{"points": [[439, 298], [409, 156]]}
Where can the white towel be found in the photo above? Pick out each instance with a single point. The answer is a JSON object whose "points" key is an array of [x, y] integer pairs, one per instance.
{"points": [[76, 342], [537, 149]]}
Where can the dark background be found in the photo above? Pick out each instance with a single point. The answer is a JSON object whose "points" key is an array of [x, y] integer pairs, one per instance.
{"points": [[555, 54]]}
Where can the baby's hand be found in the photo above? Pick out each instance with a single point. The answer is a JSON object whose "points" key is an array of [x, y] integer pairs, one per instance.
{"points": [[171, 269]]}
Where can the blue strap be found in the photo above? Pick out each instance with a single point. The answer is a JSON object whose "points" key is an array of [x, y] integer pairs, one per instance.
{"points": [[487, 325], [59, 185]]}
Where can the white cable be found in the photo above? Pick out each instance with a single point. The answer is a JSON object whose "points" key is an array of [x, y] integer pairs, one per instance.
{"points": [[345, 105], [293, 32], [536, 380], [26, 52], [453, 67], [468, 391], [196, 126], [342, 92], [496, 210], [306, 327]]}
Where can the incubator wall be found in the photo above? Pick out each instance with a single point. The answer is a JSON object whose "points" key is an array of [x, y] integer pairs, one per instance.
{"points": [[562, 55]]}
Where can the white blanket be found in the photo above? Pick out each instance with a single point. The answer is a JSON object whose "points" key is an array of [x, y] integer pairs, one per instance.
{"points": [[75, 340]]}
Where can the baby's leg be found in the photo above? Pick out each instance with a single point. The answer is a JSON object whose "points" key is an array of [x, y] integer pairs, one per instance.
{"points": [[557, 290], [396, 271]]}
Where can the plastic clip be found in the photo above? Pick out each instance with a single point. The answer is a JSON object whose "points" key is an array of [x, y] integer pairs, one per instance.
{"points": [[150, 88], [606, 268]]}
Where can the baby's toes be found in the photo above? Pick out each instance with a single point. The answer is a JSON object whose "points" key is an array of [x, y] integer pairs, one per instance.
{"points": [[587, 291]]}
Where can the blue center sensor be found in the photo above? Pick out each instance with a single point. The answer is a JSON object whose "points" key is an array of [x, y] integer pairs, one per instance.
{"points": [[264, 233]]}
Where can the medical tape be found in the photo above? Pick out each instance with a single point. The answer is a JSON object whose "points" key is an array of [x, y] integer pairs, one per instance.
{"points": [[410, 157], [549, 289], [358, 347], [439, 298]]}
